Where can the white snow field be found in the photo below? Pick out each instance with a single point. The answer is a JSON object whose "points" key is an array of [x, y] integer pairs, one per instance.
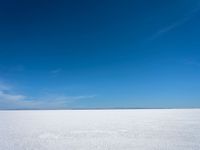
{"points": [[139, 129]]}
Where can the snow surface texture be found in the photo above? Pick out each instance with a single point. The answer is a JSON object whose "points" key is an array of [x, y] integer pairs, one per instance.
{"points": [[150, 129]]}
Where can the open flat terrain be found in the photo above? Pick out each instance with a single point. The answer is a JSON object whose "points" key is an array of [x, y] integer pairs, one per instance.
{"points": [[139, 129]]}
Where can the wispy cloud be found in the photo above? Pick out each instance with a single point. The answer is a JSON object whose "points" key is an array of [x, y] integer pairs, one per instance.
{"points": [[57, 101], [4, 86], [193, 62], [175, 24], [81, 97], [10, 100], [11, 97], [56, 71]]}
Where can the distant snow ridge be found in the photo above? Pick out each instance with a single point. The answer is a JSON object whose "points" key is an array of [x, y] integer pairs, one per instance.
{"points": [[141, 129]]}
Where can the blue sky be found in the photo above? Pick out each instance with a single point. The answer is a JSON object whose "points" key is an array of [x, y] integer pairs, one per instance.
{"points": [[87, 54]]}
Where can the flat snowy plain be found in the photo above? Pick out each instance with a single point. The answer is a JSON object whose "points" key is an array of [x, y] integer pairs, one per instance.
{"points": [[139, 129]]}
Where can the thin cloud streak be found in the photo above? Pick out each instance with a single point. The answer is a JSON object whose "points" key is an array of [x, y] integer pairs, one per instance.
{"points": [[10, 100], [175, 24], [192, 62], [56, 71]]}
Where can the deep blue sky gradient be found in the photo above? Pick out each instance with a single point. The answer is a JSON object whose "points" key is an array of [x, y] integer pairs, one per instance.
{"points": [[112, 53]]}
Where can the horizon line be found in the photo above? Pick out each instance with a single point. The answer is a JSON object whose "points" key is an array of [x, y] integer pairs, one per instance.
{"points": [[108, 108]]}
